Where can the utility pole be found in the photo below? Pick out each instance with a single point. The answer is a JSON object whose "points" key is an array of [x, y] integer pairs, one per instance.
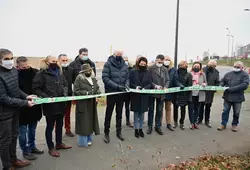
{"points": [[176, 34], [228, 45]]}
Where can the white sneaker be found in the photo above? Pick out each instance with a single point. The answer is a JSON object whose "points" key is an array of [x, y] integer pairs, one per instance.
{"points": [[89, 143]]}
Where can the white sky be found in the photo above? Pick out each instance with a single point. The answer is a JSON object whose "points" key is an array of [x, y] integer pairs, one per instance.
{"points": [[42, 27]]}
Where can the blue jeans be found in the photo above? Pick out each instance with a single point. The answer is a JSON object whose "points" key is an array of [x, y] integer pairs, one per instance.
{"points": [[193, 109], [27, 137], [84, 140], [138, 119], [226, 110], [159, 109]]}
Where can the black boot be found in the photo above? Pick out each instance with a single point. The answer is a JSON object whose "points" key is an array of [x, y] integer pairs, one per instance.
{"points": [[120, 136], [141, 133], [106, 138], [137, 133], [159, 131], [149, 130]]}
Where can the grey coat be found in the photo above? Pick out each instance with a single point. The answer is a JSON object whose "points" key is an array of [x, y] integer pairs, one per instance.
{"points": [[86, 110], [213, 79], [202, 94], [237, 82], [159, 78]]}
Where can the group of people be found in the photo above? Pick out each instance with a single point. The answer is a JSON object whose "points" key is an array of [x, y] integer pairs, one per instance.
{"points": [[20, 85]]}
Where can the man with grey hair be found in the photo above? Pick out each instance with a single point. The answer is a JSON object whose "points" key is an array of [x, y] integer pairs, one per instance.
{"points": [[237, 82], [68, 73], [115, 76], [212, 75]]}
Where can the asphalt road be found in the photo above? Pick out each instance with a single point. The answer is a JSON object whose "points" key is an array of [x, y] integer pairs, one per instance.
{"points": [[150, 153]]}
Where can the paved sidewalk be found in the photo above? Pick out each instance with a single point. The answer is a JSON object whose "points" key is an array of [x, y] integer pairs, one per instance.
{"points": [[153, 151]]}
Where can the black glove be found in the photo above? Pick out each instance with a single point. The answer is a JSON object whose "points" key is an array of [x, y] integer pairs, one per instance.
{"points": [[182, 87], [121, 88]]}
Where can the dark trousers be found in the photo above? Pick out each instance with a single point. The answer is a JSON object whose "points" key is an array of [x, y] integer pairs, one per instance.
{"points": [[9, 131], [27, 137], [159, 109], [193, 109], [5, 142], [51, 121], [183, 114], [207, 108], [127, 108], [116, 101], [226, 111]]}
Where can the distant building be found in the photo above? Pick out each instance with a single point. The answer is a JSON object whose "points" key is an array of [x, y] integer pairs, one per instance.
{"points": [[244, 51]]}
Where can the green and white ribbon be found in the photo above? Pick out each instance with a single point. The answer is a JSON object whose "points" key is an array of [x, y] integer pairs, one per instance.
{"points": [[144, 91]]}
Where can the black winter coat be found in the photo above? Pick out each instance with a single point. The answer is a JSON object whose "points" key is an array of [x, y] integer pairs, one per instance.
{"points": [[174, 82], [68, 72], [115, 73], [46, 84], [213, 79], [11, 97], [33, 114], [139, 102], [237, 82], [76, 65], [183, 98]]}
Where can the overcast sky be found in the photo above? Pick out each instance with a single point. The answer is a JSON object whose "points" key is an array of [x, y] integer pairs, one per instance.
{"points": [[42, 27]]}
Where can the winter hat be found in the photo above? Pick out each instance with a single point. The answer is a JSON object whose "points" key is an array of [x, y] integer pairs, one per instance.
{"points": [[85, 68]]}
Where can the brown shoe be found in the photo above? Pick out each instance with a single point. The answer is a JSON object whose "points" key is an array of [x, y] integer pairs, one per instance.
{"points": [[234, 128], [221, 128], [20, 163], [54, 153], [63, 146]]}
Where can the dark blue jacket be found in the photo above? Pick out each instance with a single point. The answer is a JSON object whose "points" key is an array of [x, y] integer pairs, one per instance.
{"points": [[114, 73], [174, 82], [237, 82]]}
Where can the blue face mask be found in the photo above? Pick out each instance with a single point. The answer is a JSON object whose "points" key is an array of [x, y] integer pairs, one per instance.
{"points": [[85, 58], [126, 62]]}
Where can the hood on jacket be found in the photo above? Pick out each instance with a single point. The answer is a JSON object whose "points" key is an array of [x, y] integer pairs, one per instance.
{"points": [[113, 60], [44, 66]]}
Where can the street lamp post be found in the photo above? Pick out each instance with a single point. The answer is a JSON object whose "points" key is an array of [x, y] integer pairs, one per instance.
{"points": [[232, 54], [176, 34], [228, 45], [247, 9]]}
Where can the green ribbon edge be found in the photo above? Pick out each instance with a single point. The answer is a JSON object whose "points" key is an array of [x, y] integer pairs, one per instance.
{"points": [[144, 91]]}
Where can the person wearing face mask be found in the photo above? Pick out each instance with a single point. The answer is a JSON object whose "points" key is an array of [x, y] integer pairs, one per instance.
{"points": [[182, 98], [212, 75], [237, 82], [127, 97], [86, 110], [81, 59], [68, 72], [198, 96], [140, 78], [171, 97], [12, 98], [115, 76], [29, 117], [50, 82], [160, 81]]}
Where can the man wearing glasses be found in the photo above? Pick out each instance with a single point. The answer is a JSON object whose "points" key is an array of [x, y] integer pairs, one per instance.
{"points": [[68, 73], [237, 82]]}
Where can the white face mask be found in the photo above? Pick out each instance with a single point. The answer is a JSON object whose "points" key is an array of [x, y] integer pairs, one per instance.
{"points": [[159, 65], [65, 64], [126, 62], [8, 64], [236, 69], [167, 63]]}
